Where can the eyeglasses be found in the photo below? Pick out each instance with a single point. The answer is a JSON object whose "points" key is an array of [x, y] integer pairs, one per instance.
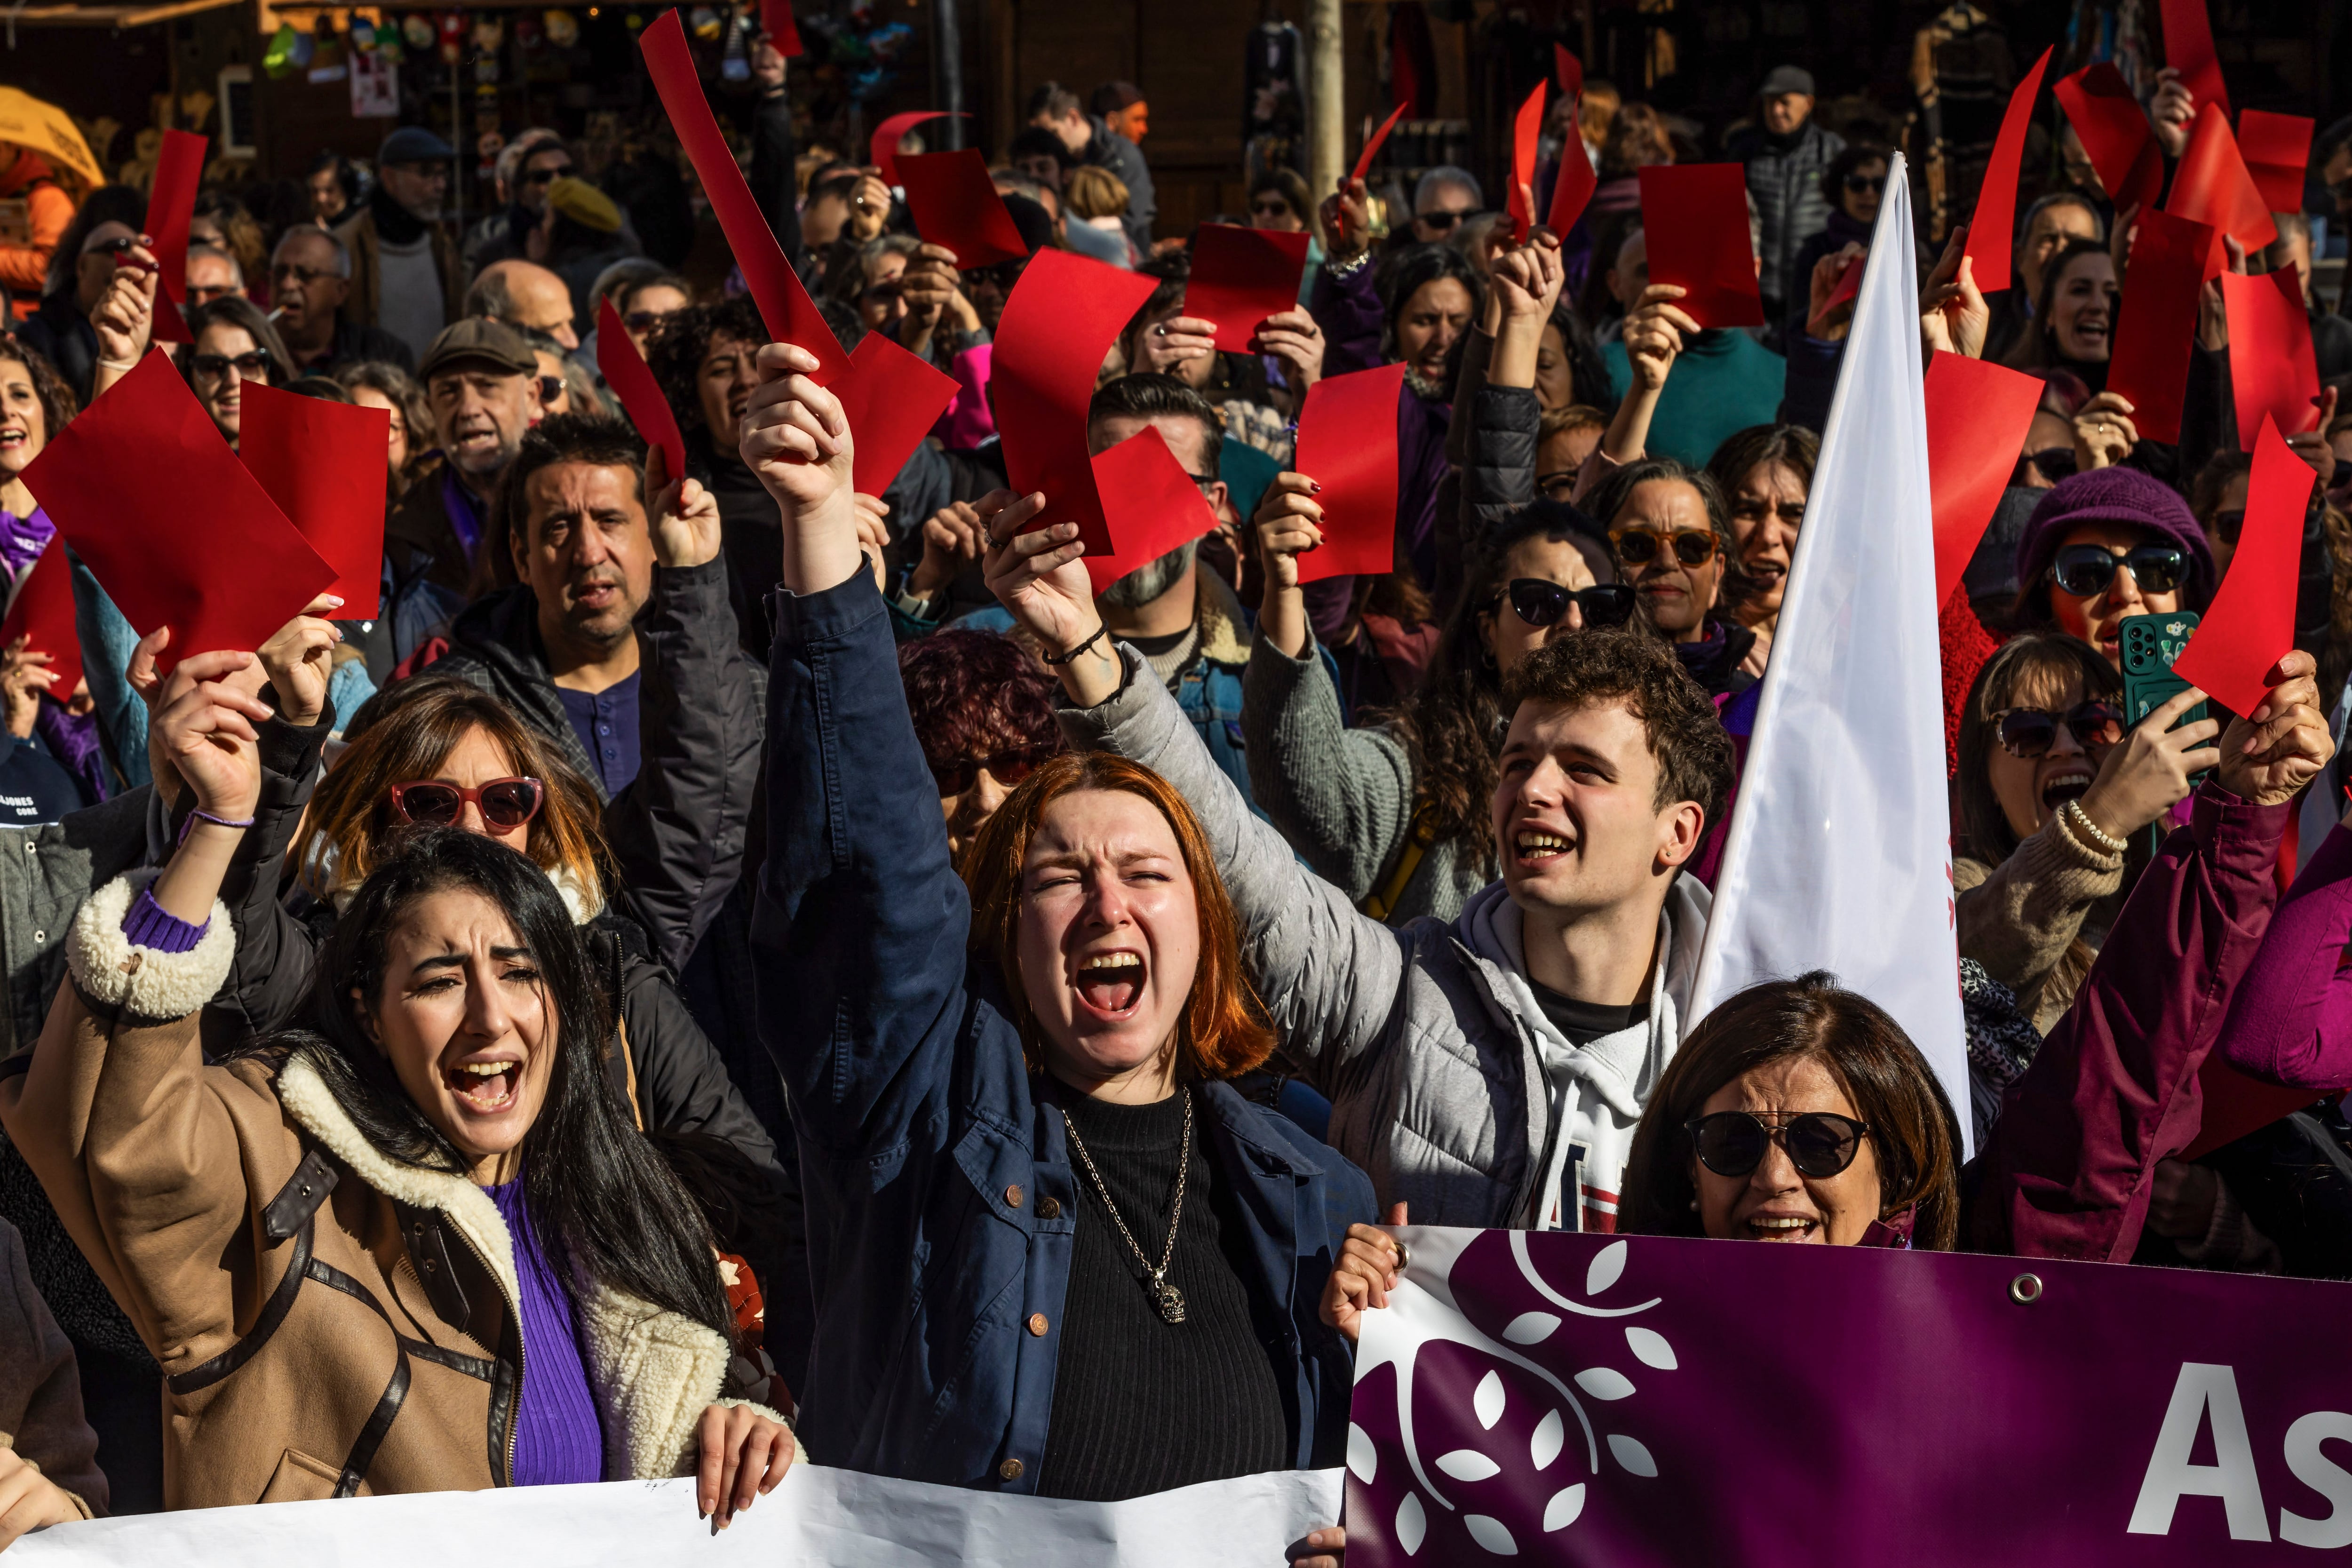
{"points": [[1821, 1144], [2055, 462], [285, 271], [1640, 546], [2226, 524], [2027, 733], [550, 390], [646, 320], [1440, 219], [545, 176], [1541, 602], [1270, 209], [253, 366], [1005, 768], [505, 803], [2085, 570], [1863, 184]]}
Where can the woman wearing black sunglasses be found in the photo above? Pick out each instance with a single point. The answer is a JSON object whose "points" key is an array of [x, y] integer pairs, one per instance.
{"points": [[2106, 544], [1396, 813], [235, 344]]}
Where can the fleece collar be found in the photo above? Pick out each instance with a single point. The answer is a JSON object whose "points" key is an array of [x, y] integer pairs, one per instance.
{"points": [[1217, 611]]}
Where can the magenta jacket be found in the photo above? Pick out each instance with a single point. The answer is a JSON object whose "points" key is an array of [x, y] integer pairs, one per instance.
{"points": [[2291, 1020], [2114, 1088]]}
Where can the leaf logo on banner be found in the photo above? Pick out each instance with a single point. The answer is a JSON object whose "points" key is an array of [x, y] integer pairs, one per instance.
{"points": [[1503, 1458]]}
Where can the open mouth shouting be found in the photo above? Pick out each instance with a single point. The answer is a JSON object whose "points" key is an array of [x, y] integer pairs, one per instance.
{"points": [[1109, 983], [1777, 1225], [2066, 783], [483, 1086]]}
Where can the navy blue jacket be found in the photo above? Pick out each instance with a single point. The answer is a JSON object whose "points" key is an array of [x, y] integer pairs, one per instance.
{"points": [[925, 1156]]}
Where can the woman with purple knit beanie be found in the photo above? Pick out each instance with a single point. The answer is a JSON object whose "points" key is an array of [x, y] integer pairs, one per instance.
{"points": [[2105, 545]]}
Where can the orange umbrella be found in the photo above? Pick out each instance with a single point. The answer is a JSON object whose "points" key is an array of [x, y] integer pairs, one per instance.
{"points": [[48, 131]]}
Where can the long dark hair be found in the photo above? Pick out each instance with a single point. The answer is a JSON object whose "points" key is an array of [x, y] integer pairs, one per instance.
{"points": [[236, 311], [1413, 270], [49, 389], [605, 1206], [1893, 1088], [2037, 346]]}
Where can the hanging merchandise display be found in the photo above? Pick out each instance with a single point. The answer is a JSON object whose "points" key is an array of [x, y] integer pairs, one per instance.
{"points": [[278, 59], [452, 37], [562, 28], [375, 87], [417, 31], [326, 53], [704, 22], [735, 61]]}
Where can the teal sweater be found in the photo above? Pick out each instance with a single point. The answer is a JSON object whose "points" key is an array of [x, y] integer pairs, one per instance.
{"points": [[1723, 382]]}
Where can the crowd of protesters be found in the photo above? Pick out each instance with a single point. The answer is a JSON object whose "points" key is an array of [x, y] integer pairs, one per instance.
{"points": [[808, 977]]}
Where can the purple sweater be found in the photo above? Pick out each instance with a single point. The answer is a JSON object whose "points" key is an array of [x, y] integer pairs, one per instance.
{"points": [[559, 1436], [2291, 1020]]}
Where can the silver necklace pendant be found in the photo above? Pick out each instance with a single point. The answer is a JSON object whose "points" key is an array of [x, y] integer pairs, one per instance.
{"points": [[1169, 1301]]}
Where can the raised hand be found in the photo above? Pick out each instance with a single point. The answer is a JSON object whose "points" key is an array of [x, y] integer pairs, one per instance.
{"points": [[1656, 331], [1953, 315], [205, 725], [2104, 432], [1292, 337], [2312, 445], [684, 516], [869, 208], [874, 534], [953, 537], [794, 436], [299, 658], [2270, 753], [1289, 522], [1164, 346], [2172, 113], [2147, 773], [1821, 320], [1347, 219], [24, 676]]}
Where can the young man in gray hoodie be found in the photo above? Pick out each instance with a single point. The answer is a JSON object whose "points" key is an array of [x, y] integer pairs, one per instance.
{"points": [[1488, 1071]]}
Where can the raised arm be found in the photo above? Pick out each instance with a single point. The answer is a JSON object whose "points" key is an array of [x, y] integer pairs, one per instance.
{"points": [[2291, 1020], [1328, 975]]}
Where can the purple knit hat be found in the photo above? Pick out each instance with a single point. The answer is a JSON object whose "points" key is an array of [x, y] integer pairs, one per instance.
{"points": [[2114, 495]]}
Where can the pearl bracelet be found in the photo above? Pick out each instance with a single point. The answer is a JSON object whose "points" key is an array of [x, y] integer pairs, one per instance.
{"points": [[2098, 837]]}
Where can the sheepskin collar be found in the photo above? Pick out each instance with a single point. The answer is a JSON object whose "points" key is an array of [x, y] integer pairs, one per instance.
{"points": [[1225, 625], [585, 901]]}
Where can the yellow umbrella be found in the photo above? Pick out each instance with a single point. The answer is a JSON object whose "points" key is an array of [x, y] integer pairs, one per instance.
{"points": [[48, 131]]}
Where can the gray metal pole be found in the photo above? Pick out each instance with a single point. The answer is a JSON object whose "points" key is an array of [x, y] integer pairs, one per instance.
{"points": [[1327, 98], [947, 48]]}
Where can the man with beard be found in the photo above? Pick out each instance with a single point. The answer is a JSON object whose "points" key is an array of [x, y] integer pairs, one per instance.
{"points": [[403, 264]]}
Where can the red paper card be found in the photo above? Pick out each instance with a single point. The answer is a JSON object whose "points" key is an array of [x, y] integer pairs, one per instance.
{"points": [[1241, 276], [1696, 215], [786, 308], [324, 463], [2212, 186], [43, 613], [1567, 70], [178, 533], [2189, 50], [2277, 149], [890, 398], [2114, 128], [1978, 412], [2251, 623], [2273, 371], [1572, 188], [1348, 444], [1364, 158], [1061, 321], [1849, 284], [955, 204], [1994, 222], [2158, 320], [1154, 505], [632, 380], [776, 21], [1526, 129], [171, 208], [884, 146]]}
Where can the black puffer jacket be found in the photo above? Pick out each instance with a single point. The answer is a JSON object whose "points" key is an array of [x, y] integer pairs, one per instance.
{"points": [[1784, 180]]}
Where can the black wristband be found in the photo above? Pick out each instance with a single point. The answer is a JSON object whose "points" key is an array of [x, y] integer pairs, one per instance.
{"points": [[1101, 631]]}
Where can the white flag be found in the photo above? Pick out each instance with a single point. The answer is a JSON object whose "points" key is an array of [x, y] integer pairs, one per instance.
{"points": [[1839, 856]]}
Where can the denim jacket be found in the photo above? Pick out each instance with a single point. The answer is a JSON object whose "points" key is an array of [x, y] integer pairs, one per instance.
{"points": [[941, 1202]]}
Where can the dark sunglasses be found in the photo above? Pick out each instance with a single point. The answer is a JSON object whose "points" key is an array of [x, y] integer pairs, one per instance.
{"points": [[545, 176], [1862, 183], [2085, 570], [644, 320], [1005, 767], [1270, 209], [2027, 733], [1544, 603], [2055, 462], [2226, 524], [505, 803], [551, 387], [1439, 219], [1640, 546], [254, 366], [1821, 1144]]}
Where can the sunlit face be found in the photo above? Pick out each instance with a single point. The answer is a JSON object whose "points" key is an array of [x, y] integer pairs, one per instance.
{"points": [[94, 269], [226, 358], [465, 1021], [2082, 309], [2030, 790], [539, 301], [1768, 507], [396, 455], [1508, 636], [210, 276], [304, 285], [1110, 934], [476, 760], [1675, 597], [1437, 314], [1555, 374], [880, 303], [1560, 455], [1775, 1201], [2051, 229], [23, 426], [647, 306], [1443, 210], [554, 397], [481, 411], [1864, 190], [2098, 620], [2049, 433], [1575, 813], [723, 386], [586, 551]]}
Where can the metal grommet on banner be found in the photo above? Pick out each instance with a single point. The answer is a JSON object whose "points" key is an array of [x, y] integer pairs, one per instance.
{"points": [[2025, 1290], [1404, 1254]]}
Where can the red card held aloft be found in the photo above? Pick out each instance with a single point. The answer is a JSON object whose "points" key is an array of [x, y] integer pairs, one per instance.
{"points": [[1978, 412], [1058, 326], [2277, 149], [1571, 187], [632, 380], [784, 32], [1152, 504], [324, 463], [2113, 129], [1994, 222], [1567, 70], [955, 204], [2189, 50], [178, 533], [2273, 371], [1241, 276], [884, 146], [1372, 145], [171, 209], [890, 397], [2251, 623], [2150, 360], [1696, 215], [2212, 186], [786, 308], [1526, 131], [42, 612], [1348, 444]]}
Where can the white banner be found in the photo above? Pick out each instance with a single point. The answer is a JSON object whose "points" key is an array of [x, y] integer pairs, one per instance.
{"points": [[817, 1517]]}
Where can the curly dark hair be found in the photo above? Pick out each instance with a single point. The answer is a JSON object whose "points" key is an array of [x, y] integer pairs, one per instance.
{"points": [[49, 389], [675, 348], [1629, 665], [973, 693]]}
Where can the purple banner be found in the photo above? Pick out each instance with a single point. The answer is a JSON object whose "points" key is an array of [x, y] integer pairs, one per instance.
{"points": [[1589, 1399]]}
